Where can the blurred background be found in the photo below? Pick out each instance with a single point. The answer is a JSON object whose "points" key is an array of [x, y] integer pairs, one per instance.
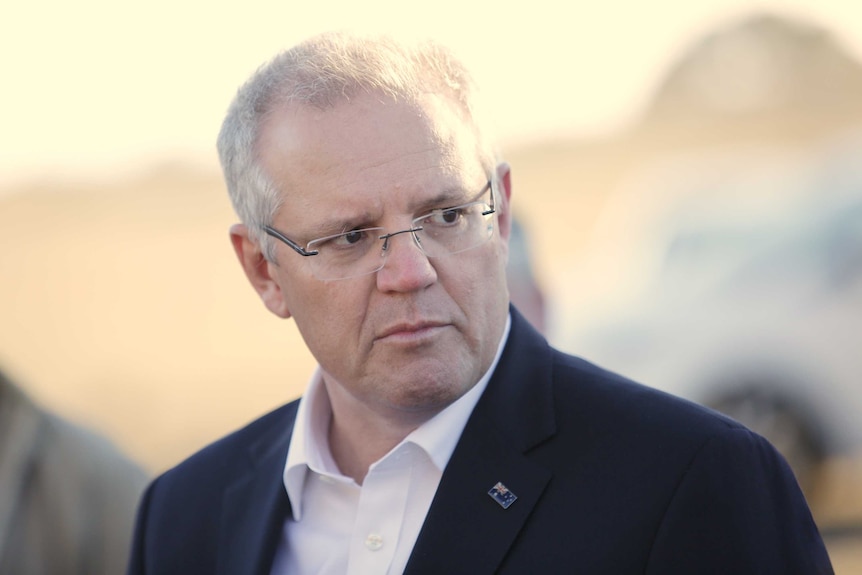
{"points": [[688, 181]]}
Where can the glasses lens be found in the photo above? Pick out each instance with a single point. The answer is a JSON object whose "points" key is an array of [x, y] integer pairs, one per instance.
{"points": [[455, 230], [347, 255]]}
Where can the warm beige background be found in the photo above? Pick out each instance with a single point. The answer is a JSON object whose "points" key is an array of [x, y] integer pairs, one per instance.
{"points": [[93, 87]]}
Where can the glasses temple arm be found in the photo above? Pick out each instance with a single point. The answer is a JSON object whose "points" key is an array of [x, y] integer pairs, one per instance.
{"points": [[280, 236]]}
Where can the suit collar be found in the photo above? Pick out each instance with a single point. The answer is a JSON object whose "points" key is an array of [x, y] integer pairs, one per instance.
{"points": [[256, 505], [515, 413], [518, 403]]}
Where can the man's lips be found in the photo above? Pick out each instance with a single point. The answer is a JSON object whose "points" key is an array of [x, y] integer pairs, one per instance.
{"points": [[410, 330]]}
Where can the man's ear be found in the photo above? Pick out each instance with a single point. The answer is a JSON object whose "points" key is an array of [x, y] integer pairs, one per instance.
{"points": [[504, 211], [259, 271]]}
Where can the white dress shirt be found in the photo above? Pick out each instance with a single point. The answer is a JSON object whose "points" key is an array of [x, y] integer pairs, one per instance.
{"points": [[339, 527]]}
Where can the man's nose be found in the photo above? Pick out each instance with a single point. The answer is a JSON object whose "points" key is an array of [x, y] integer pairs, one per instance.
{"points": [[406, 267]]}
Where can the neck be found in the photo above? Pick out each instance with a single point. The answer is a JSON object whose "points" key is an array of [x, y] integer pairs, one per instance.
{"points": [[355, 451], [360, 435]]}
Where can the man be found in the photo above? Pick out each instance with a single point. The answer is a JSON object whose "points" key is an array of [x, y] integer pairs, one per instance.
{"points": [[67, 496], [440, 433]]}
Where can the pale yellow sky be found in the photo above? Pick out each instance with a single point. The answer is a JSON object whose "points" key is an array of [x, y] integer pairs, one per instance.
{"points": [[93, 87]]}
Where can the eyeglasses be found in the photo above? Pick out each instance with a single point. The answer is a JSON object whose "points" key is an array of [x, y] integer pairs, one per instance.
{"points": [[441, 232]]}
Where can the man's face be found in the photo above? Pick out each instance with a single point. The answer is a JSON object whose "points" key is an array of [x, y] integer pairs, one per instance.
{"points": [[413, 337]]}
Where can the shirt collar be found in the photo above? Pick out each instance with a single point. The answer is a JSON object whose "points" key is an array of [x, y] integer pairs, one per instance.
{"points": [[309, 446]]}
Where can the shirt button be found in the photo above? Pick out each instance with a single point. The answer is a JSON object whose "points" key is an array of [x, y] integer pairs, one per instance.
{"points": [[374, 541]]}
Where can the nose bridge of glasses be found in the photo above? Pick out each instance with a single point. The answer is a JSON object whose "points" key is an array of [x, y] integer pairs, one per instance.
{"points": [[411, 230]]}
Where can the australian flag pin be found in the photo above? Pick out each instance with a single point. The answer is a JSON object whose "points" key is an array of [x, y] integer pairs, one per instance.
{"points": [[501, 494]]}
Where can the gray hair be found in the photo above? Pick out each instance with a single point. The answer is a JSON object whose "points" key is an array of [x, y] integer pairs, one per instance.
{"points": [[322, 72]]}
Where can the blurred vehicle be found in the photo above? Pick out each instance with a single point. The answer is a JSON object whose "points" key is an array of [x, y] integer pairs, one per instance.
{"points": [[754, 312]]}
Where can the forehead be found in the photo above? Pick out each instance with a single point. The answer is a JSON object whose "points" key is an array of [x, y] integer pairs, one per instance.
{"points": [[369, 152]]}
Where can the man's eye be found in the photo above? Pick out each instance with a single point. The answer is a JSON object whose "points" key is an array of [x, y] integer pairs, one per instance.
{"points": [[445, 217], [350, 238], [353, 237]]}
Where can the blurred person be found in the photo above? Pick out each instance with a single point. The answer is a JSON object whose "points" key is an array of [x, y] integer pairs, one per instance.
{"points": [[440, 432], [67, 496], [524, 289]]}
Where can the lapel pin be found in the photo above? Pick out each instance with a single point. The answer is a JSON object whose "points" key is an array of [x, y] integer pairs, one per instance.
{"points": [[501, 494]]}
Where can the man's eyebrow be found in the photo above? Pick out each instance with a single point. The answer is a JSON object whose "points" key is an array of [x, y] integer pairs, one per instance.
{"points": [[336, 224], [453, 196]]}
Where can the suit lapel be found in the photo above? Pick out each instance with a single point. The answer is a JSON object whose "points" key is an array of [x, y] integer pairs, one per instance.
{"points": [[256, 506], [466, 530]]}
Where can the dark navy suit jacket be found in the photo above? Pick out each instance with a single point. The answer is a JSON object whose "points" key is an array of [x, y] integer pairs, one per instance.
{"points": [[610, 476]]}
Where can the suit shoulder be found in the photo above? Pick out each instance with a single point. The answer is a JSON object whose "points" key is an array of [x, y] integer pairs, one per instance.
{"points": [[649, 429], [602, 395]]}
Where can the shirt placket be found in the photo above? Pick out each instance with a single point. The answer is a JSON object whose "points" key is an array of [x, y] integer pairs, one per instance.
{"points": [[381, 511]]}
